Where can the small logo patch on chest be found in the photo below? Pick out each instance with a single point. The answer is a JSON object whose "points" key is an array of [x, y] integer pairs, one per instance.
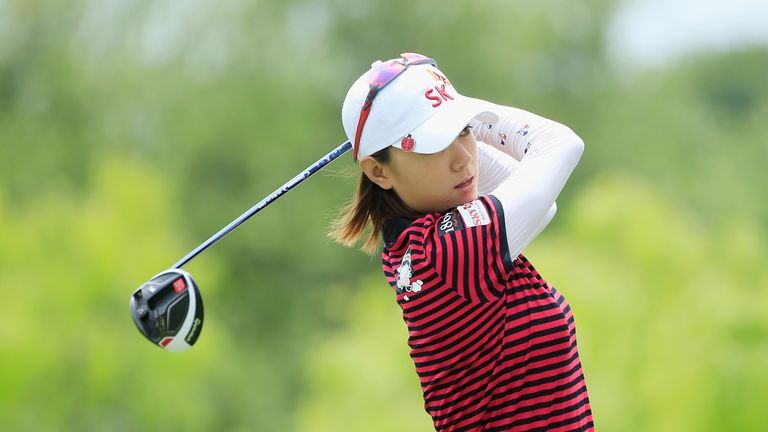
{"points": [[474, 214], [404, 274], [449, 222]]}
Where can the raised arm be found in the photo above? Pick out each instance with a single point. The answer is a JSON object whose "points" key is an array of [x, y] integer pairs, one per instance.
{"points": [[494, 166], [548, 152]]}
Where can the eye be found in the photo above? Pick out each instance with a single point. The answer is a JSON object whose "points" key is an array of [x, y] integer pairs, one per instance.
{"points": [[465, 131]]}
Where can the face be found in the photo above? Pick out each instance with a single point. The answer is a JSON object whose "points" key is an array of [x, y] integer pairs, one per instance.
{"points": [[433, 182]]}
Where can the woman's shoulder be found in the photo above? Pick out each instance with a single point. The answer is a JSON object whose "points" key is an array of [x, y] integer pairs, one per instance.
{"points": [[399, 232]]}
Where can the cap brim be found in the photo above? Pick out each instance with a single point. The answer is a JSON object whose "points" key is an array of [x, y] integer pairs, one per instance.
{"points": [[439, 131]]}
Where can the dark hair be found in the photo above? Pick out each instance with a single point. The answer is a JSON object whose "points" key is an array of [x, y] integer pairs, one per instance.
{"points": [[370, 206]]}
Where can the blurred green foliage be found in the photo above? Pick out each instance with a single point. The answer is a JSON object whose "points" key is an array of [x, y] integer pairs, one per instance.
{"points": [[130, 131]]}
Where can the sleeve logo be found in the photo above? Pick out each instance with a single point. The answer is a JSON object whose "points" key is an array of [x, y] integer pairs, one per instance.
{"points": [[474, 214], [404, 274]]}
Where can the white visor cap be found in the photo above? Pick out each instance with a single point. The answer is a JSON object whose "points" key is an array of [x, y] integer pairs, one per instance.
{"points": [[420, 104]]}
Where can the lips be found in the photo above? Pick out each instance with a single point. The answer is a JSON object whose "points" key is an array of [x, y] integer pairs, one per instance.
{"points": [[465, 184]]}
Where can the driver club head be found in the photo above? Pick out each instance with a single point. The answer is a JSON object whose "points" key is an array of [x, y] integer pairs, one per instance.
{"points": [[168, 310]]}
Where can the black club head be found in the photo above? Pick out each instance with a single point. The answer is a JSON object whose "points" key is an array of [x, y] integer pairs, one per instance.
{"points": [[168, 310]]}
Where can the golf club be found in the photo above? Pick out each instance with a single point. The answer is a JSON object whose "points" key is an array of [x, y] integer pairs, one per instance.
{"points": [[168, 309]]}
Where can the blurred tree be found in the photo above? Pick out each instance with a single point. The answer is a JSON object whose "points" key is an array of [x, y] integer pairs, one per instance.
{"points": [[130, 131]]}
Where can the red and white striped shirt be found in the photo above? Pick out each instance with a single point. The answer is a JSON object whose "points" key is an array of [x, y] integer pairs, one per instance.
{"points": [[493, 343]]}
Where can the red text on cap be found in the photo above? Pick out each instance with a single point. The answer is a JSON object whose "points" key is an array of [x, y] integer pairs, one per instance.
{"points": [[438, 98]]}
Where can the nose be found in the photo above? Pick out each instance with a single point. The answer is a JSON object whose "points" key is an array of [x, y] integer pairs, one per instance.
{"points": [[461, 156]]}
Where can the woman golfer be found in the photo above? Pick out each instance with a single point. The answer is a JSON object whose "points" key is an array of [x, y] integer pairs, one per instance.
{"points": [[457, 187]]}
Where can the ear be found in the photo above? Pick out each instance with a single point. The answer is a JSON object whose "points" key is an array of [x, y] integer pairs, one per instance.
{"points": [[376, 172]]}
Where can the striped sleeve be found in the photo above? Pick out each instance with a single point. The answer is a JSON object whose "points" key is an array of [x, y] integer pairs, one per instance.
{"points": [[470, 250]]}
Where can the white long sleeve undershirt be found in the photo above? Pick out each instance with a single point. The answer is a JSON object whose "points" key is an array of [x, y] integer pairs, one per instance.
{"points": [[547, 152], [494, 166]]}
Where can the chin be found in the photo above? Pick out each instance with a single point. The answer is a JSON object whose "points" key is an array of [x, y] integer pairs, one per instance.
{"points": [[469, 196]]}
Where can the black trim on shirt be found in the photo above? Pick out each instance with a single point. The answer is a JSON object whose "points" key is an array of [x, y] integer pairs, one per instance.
{"points": [[393, 228], [503, 243]]}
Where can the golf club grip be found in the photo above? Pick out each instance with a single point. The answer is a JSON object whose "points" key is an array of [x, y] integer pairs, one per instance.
{"points": [[315, 167]]}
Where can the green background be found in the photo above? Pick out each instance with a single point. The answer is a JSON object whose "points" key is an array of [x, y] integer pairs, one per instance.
{"points": [[130, 131]]}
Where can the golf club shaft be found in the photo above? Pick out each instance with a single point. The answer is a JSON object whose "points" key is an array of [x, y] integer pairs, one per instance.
{"points": [[315, 167]]}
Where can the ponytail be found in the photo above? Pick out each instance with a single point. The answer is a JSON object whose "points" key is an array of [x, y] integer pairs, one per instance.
{"points": [[370, 206]]}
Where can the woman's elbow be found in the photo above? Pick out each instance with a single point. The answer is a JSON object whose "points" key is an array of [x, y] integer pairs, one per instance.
{"points": [[575, 142]]}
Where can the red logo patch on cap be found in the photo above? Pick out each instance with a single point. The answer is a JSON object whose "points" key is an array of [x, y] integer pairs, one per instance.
{"points": [[407, 143]]}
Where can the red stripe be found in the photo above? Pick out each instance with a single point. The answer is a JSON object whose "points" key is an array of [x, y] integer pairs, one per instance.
{"points": [[486, 361]]}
